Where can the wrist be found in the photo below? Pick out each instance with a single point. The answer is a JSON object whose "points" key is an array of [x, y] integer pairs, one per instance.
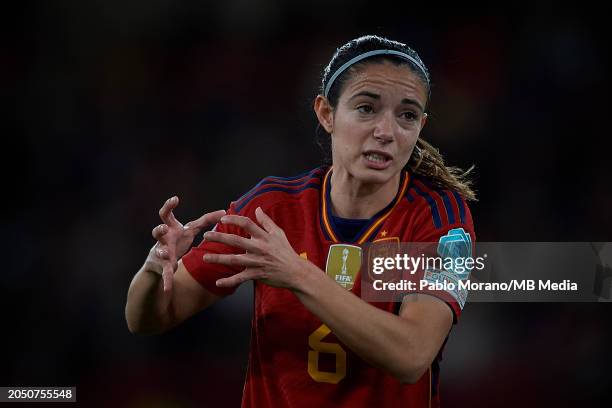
{"points": [[153, 266], [307, 277]]}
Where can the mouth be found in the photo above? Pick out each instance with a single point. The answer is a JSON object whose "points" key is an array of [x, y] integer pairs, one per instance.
{"points": [[377, 159]]}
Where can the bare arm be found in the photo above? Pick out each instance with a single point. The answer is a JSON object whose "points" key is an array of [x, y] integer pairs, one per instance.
{"points": [[163, 293], [150, 310], [404, 345]]}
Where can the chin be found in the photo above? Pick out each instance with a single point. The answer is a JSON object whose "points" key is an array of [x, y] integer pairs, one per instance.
{"points": [[372, 176]]}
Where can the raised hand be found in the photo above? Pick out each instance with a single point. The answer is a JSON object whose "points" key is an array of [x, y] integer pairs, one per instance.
{"points": [[269, 256], [174, 239]]}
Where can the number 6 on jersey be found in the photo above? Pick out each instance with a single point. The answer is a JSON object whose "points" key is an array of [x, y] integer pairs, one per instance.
{"points": [[318, 346]]}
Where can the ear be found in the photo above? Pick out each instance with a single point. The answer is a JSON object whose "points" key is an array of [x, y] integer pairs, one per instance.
{"points": [[424, 120], [325, 113]]}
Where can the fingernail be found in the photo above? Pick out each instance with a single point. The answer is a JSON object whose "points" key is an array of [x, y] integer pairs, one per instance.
{"points": [[218, 283], [223, 219]]}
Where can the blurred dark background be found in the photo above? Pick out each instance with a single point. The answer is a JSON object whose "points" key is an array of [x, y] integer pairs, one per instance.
{"points": [[112, 107]]}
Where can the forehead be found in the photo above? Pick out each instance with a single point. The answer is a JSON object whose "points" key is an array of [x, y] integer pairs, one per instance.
{"points": [[385, 78]]}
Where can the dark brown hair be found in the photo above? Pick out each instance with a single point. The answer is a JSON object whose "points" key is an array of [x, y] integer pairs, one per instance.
{"points": [[426, 160]]}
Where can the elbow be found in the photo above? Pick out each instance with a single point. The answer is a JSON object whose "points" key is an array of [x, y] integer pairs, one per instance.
{"points": [[133, 328], [143, 330], [132, 324], [136, 326], [412, 373], [410, 378]]}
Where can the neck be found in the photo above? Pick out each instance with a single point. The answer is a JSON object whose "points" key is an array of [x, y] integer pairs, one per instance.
{"points": [[351, 198]]}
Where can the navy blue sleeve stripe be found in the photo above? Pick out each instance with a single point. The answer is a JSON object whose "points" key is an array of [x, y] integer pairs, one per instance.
{"points": [[315, 186], [432, 204], [250, 191], [449, 208], [409, 197], [446, 202], [289, 180], [295, 182], [461, 206], [255, 191], [284, 182]]}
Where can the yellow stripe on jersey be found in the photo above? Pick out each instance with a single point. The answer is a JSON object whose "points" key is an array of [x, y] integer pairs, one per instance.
{"points": [[326, 223], [383, 217], [375, 224]]}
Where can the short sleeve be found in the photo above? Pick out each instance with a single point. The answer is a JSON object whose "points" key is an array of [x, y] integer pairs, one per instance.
{"points": [[443, 224], [206, 273]]}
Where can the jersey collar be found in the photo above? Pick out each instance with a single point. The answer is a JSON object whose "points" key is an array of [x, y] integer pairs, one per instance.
{"points": [[371, 228]]}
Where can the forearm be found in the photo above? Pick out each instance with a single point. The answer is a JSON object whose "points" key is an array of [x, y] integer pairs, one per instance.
{"points": [[381, 338], [148, 307], [404, 346]]}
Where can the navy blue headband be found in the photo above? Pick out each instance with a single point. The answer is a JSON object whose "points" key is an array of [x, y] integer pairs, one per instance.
{"points": [[360, 57]]}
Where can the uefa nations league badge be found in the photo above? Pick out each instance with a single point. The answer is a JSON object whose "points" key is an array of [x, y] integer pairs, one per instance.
{"points": [[456, 245], [343, 264]]}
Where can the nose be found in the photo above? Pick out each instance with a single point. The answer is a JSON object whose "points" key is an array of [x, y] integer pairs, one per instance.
{"points": [[383, 130]]}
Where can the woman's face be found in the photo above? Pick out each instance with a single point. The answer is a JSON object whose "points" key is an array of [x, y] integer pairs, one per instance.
{"points": [[376, 122]]}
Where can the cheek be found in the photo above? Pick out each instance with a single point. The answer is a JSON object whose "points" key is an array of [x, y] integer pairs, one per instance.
{"points": [[349, 123], [408, 143], [348, 135], [409, 139], [342, 145]]}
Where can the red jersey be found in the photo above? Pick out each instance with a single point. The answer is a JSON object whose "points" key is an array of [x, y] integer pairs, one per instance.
{"points": [[295, 360]]}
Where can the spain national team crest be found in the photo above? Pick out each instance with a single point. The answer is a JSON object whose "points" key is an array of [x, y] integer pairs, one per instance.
{"points": [[343, 264], [387, 247]]}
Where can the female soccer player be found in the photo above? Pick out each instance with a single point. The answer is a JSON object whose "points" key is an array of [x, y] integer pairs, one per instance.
{"points": [[314, 341]]}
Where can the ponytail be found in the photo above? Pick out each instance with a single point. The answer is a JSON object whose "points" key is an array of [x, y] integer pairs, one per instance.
{"points": [[427, 161]]}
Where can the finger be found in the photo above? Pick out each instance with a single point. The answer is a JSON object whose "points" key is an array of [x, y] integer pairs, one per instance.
{"points": [[204, 221], [245, 223], [239, 278], [165, 213], [232, 260], [266, 221], [159, 231], [232, 240], [162, 253], [167, 276]]}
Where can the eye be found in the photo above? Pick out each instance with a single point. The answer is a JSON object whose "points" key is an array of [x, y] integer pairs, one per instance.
{"points": [[409, 115], [365, 109]]}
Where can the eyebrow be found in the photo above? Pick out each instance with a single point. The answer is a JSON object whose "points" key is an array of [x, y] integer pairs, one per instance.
{"points": [[405, 101]]}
